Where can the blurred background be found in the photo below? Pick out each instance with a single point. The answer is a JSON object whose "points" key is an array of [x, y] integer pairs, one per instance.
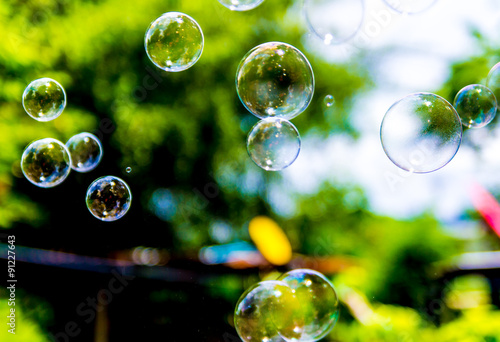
{"points": [[413, 257]]}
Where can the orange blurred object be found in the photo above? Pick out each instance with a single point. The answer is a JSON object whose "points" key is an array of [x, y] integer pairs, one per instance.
{"points": [[270, 240]]}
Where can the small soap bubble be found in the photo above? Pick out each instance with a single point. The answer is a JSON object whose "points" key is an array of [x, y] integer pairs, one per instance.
{"points": [[241, 5], [476, 105], [263, 309], [493, 81], [85, 150], [421, 133], [46, 162], [334, 21], [174, 42], [275, 80], [410, 6], [108, 198], [128, 169], [319, 306], [273, 144], [329, 100], [44, 99]]}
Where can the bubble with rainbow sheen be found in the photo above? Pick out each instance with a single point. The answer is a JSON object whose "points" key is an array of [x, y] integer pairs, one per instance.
{"points": [[274, 144], [44, 99], [108, 198], [174, 42], [476, 105], [86, 151], [421, 133], [275, 80], [318, 309], [263, 310], [46, 162]]}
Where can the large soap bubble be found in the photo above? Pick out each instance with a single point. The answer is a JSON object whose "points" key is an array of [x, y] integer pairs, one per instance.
{"points": [[263, 309], [273, 144], [85, 150], [44, 99], [476, 105], [174, 42], [108, 198], [46, 162], [319, 305], [334, 21], [275, 80], [421, 133]]}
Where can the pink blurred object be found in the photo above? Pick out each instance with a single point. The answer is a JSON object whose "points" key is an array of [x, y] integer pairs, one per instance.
{"points": [[487, 206]]}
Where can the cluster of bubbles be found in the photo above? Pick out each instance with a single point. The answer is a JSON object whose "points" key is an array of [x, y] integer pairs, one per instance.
{"points": [[301, 305], [422, 132], [275, 82], [47, 162]]}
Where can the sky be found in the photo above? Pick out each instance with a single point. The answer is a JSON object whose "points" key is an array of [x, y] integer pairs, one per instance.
{"points": [[404, 54]]}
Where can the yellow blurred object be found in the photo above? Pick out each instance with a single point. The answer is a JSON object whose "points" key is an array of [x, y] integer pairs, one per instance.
{"points": [[270, 239]]}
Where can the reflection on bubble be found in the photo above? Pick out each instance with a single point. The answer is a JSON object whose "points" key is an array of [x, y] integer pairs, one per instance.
{"points": [[273, 144], [44, 99], [476, 105], [410, 6], [493, 81], [334, 21], [85, 150], [275, 80], [174, 42], [329, 100], [108, 198], [421, 133], [261, 309], [319, 305], [241, 5], [46, 162]]}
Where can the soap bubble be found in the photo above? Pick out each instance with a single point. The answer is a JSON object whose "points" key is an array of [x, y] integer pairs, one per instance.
{"points": [[262, 309], [85, 150], [108, 198], [46, 162], [493, 81], [334, 21], [329, 100], [241, 5], [319, 305], [44, 99], [275, 80], [476, 105], [128, 169], [174, 42], [421, 133], [410, 6], [273, 144]]}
